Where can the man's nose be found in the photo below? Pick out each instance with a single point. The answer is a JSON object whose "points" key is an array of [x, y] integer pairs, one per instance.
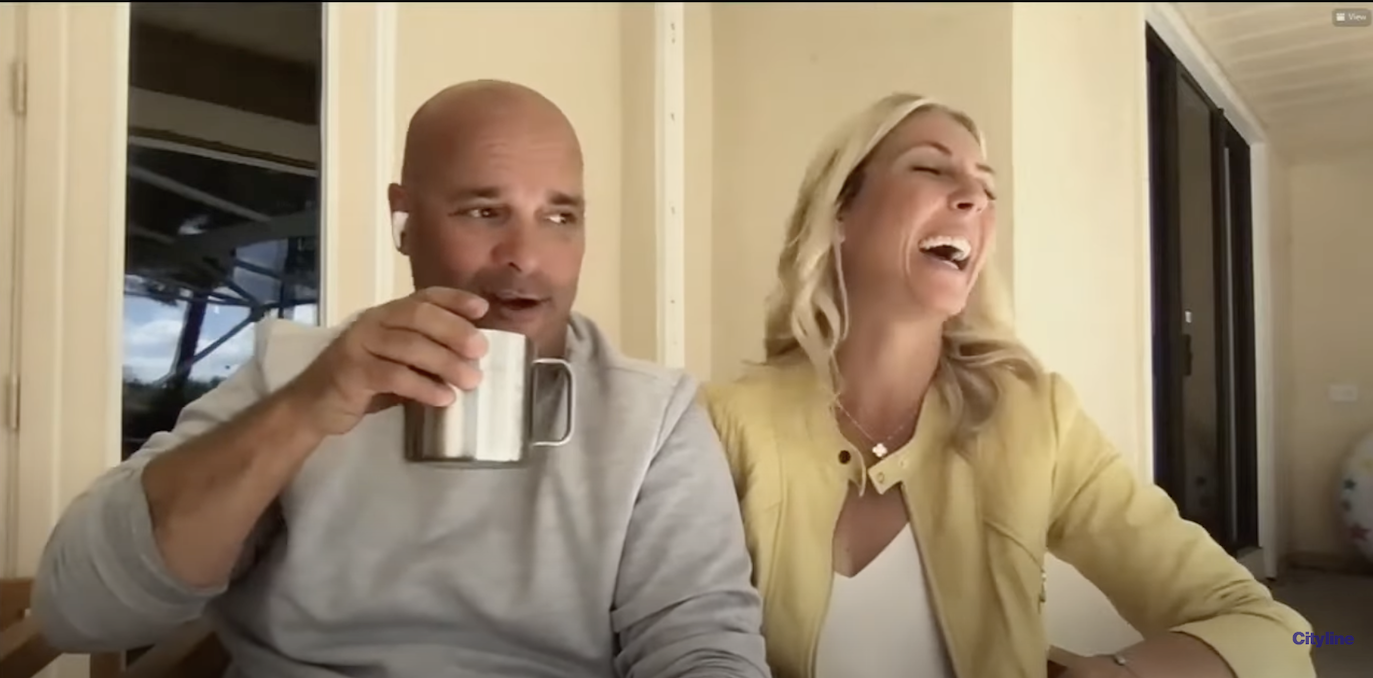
{"points": [[518, 249]]}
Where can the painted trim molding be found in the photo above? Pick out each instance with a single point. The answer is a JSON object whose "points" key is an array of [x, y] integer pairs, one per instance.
{"points": [[1189, 49], [669, 50], [10, 129], [359, 107], [383, 147], [331, 105]]}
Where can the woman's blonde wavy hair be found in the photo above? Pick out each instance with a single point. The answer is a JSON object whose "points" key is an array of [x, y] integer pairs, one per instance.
{"points": [[807, 312]]}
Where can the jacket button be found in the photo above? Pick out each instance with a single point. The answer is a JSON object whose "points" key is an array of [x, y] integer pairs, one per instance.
{"points": [[844, 456]]}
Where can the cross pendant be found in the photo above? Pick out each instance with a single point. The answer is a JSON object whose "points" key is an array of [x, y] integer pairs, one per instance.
{"points": [[879, 450]]}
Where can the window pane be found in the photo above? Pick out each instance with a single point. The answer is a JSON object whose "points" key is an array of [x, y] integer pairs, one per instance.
{"points": [[218, 237]]}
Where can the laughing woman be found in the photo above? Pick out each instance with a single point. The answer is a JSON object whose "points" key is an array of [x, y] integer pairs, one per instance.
{"points": [[905, 464]]}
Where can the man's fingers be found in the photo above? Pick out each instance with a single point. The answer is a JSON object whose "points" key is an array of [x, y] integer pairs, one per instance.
{"points": [[439, 324], [457, 301], [399, 380], [419, 351]]}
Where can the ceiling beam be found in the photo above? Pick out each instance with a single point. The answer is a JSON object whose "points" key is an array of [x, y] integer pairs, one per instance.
{"points": [[184, 65]]}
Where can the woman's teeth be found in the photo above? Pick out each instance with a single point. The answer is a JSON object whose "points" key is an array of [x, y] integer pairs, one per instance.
{"points": [[953, 250]]}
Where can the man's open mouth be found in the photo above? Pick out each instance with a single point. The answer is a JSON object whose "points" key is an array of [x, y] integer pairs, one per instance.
{"points": [[515, 301]]}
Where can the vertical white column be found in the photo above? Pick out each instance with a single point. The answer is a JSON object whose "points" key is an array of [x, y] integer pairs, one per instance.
{"points": [[329, 307], [1265, 368], [357, 160], [383, 149], [670, 108]]}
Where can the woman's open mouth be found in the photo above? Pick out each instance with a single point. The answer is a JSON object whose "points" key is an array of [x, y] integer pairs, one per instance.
{"points": [[953, 251]]}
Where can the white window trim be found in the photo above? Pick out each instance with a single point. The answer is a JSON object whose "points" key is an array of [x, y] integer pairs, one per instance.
{"points": [[669, 51], [346, 26], [1178, 35]]}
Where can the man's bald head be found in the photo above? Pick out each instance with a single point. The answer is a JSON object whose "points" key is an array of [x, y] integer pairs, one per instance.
{"points": [[492, 184], [476, 109]]}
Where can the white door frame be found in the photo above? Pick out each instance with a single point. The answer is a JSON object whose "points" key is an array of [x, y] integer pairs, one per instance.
{"points": [[71, 259], [1175, 32], [71, 229], [10, 132]]}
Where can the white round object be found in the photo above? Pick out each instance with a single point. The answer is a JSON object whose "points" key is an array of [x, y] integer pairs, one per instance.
{"points": [[1356, 496]]}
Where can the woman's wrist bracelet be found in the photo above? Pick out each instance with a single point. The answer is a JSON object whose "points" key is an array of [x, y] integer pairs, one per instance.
{"points": [[1124, 663]]}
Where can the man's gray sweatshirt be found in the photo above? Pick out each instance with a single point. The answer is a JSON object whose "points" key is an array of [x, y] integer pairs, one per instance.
{"points": [[621, 553]]}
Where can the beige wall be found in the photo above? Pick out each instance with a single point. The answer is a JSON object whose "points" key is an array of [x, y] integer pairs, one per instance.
{"points": [[1326, 341], [1081, 277]]}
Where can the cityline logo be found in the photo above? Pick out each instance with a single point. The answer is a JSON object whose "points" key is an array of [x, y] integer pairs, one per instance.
{"points": [[1321, 639]]}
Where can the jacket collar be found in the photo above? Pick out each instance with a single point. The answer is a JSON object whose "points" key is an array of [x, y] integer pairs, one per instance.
{"points": [[904, 465], [941, 490]]}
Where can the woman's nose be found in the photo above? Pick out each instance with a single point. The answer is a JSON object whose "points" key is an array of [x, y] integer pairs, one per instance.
{"points": [[969, 198]]}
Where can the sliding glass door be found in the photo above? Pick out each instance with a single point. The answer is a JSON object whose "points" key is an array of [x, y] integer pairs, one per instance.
{"points": [[1204, 361]]}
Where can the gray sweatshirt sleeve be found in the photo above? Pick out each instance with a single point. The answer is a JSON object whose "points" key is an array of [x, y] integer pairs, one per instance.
{"points": [[685, 606], [101, 583]]}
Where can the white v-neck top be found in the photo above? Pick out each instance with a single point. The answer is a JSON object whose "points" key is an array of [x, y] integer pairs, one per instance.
{"points": [[880, 623]]}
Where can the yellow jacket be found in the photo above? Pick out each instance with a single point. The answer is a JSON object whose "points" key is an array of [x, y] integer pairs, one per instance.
{"points": [[1042, 478]]}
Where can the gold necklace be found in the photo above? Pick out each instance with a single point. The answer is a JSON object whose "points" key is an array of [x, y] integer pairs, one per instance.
{"points": [[879, 448]]}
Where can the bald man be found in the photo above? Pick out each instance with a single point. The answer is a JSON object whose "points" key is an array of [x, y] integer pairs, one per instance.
{"points": [[280, 505]]}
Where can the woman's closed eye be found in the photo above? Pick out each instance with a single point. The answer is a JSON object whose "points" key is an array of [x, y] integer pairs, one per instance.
{"points": [[991, 194]]}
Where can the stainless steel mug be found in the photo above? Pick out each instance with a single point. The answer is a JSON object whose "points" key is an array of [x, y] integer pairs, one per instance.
{"points": [[492, 426]]}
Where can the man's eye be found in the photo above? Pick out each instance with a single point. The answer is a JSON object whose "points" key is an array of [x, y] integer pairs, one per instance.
{"points": [[930, 170], [564, 218], [480, 213]]}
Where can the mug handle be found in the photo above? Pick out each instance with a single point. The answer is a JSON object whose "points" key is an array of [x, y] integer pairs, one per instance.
{"points": [[570, 396]]}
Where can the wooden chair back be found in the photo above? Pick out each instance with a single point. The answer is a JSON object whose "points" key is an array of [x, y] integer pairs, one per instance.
{"points": [[23, 652]]}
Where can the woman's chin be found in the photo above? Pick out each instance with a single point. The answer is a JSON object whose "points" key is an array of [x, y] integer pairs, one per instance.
{"points": [[927, 309], [942, 296]]}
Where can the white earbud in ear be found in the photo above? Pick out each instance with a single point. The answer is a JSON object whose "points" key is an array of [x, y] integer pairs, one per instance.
{"points": [[398, 220]]}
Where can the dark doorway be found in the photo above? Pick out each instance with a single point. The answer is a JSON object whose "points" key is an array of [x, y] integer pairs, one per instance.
{"points": [[1204, 363]]}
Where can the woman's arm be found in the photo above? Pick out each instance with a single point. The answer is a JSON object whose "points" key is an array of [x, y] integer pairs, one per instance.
{"points": [[1201, 613], [1174, 655]]}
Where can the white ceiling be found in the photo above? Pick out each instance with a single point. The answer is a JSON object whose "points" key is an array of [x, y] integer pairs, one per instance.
{"points": [[286, 30], [1309, 83]]}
